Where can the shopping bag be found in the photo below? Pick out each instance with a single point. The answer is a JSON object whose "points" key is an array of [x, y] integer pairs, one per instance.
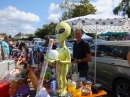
{"points": [[23, 90], [4, 88]]}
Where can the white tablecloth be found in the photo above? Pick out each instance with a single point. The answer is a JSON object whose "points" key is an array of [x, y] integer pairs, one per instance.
{"points": [[4, 68]]}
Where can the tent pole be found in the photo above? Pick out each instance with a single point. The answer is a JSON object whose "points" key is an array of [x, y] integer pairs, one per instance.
{"points": [[95, 57], [128, 23]]}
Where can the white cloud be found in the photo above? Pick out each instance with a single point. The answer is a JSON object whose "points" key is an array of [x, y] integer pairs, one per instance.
{"points": [[54, 8], [116, 2], [53, 18], [54, 12], [13, 21], [105, 7]]}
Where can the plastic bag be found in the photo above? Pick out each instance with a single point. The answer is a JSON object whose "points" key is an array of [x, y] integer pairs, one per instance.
{"points": [[43, 93], [14, 72], [23, 90]]}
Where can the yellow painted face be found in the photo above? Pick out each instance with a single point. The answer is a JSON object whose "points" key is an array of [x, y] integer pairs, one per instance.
{"points": [[63, 30]]}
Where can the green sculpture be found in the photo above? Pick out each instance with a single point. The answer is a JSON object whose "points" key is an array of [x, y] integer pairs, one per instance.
{"points": [[63, 30]]}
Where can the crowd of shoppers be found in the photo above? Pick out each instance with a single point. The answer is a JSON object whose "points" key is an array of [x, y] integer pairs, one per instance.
{"points": [[10, 48]]}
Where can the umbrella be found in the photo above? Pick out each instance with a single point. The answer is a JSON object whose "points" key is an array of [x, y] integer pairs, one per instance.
{"points": [[111, 20], [98, 21]]}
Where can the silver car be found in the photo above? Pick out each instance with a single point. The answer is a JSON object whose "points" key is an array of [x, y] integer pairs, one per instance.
{"points": [[112, 68]]}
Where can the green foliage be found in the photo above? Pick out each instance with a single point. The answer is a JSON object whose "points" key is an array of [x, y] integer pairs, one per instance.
{"points": [[30, 35], [10, 36], [47, 29], [91, 35], [81, 8], [85, 8], [70, 10], [122, 8], [16, 39], [30, 38]]}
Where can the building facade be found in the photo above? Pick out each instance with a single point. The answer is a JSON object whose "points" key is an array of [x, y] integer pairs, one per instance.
{"points": [[20, 35]]}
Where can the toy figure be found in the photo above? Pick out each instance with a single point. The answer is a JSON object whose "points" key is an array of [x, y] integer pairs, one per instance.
{"points": [[63, 30]]}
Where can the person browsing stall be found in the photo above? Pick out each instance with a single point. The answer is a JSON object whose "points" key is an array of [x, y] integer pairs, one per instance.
{"points": [[47, 42], [81, 54], [47, 38], [5, 48]]}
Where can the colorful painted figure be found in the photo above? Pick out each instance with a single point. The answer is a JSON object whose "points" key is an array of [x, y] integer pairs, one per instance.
{"points": [[63, 30]]}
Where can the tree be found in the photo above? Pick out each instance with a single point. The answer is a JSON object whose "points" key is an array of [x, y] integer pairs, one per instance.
{"points": [[67, 7], [30, 38], [73, 9], [123, 8], [10, 36], [84, 8], [47, 29], [30, 35]]}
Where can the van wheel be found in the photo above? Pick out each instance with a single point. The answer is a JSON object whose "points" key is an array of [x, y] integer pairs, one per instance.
{"points": [[122, 88]]}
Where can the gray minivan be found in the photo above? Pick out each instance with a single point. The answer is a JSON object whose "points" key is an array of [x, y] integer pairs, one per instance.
{"points": [[112, 68]]}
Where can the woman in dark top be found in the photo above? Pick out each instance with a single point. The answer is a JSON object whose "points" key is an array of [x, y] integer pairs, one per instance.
{"points": [[22, 44], [47, 42]]}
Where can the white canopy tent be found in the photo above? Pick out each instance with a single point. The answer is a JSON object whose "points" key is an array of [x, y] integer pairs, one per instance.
{"points": [[99, 23], [84, 36]]}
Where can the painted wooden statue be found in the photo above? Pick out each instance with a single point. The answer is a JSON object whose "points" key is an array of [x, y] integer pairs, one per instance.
{"points": [[63, 30]]}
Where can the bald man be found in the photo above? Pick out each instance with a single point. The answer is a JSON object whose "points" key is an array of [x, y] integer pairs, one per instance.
{"points": [[81, 54]]}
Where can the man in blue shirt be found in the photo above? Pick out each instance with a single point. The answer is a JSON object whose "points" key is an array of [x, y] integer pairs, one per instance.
{"points": [[5, 48]]}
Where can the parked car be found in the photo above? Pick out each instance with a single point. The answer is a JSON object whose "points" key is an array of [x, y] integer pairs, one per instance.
{"points": [[39, 43], [98, 40], [36, 39], [112, 68], [89, 41], [68, 44]]}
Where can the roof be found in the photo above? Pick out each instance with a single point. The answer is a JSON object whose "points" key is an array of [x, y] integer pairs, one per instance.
{"points": [[3, 34], [20, 34]]}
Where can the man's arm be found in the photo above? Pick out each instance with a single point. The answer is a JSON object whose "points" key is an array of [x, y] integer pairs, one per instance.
{"points": [[86, 59], [88, 55]]}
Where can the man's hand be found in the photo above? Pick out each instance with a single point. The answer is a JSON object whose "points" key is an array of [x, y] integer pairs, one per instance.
{"points": [[75, 60]]}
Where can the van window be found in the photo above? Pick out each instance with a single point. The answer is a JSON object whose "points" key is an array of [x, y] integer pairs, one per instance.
{"points": [[125, 51], [111, 51], [41, 43]]}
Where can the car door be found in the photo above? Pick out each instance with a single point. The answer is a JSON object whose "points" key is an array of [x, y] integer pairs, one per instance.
{"points": [[91, 64], [106, 64]]}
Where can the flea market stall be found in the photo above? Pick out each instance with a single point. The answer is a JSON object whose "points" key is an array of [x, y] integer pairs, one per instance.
{"points": [[99, 23], [13, 77], [48, 83]]}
